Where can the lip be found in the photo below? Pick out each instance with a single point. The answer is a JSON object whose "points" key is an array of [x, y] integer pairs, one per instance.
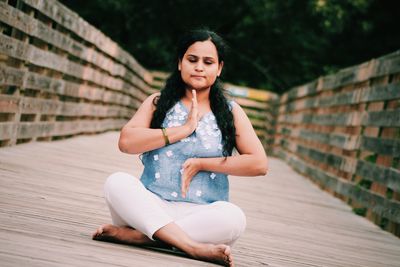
{"points": [[197, 76]]}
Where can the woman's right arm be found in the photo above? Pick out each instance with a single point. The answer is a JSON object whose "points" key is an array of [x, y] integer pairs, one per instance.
{"points": [[137, 137]]}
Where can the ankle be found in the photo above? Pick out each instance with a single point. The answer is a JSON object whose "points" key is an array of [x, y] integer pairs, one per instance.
{"points": [[194, 249]]}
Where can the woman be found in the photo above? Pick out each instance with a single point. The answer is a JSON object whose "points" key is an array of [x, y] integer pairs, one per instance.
{"points": [[186, 134]]}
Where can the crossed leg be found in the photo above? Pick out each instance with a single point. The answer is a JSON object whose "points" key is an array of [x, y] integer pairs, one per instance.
{"points": [[160, 229], [170, 234]]}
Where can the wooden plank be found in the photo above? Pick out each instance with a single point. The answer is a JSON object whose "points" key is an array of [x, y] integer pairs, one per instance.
{"points": [[387, 118], [256, 113], [259, 123], [31, 105], [9, 104], [8, 130], [381, 146], [385, 65], [160, 75], [381, 93], [364, 95], [378, 204], [388, 64], [60, 87], [45, 129], [43, 221], [47, 59], [389, 177], [11, 76], [250, 103], [250, 93], [332, 160], [344, 141], [22, 78]]}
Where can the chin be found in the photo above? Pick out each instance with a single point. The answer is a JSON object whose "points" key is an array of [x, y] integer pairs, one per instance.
{"points": [[199, 86]]}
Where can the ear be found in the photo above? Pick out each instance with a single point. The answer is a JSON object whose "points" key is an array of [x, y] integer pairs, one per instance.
{"points": [[221, 65], [179, 64]]}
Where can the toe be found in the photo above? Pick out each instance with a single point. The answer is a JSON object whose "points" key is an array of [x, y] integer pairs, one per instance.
{"points": [[98, 232]]}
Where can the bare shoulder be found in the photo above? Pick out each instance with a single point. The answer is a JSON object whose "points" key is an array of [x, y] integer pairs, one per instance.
{"points": [[240, 119], [247, 141], [237, 110], [144, 114], [152, 98]]}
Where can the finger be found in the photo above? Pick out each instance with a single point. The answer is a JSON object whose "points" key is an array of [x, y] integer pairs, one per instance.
{"points": [[183, 185], [194, 95], [194, 99], [184, 189]]}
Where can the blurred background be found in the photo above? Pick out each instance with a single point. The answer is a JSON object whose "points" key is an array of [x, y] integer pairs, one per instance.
{"points": [[274, 44]]}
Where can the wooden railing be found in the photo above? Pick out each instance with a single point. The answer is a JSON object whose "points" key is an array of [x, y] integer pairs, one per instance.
{"points": [[261, 107], [343, 131], [60, 76]]}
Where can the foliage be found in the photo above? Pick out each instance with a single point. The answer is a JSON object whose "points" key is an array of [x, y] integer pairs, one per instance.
{"points": [[274, 44], [360, 211]]}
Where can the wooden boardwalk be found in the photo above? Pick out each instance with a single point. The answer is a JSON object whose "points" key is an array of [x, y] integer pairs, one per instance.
{"points": [[51, 201]]}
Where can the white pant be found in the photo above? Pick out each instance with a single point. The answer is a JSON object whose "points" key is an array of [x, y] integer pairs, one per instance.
{"points": [[131, 204]]}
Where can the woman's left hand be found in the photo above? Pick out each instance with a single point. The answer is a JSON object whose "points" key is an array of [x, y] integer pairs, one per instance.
{"points": [[190, 168]]}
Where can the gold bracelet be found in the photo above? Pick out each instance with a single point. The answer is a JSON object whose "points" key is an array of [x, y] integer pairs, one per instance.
{"points": [[164, 132]]}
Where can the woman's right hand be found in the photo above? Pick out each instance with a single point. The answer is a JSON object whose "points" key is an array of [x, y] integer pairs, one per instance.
{"points": [[193, 117]]}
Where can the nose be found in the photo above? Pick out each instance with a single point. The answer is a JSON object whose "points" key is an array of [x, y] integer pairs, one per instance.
{"points": [[199, 66]]}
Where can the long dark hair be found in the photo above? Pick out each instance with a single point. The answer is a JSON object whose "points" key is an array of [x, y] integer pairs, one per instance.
{"points": [[174, 90]]}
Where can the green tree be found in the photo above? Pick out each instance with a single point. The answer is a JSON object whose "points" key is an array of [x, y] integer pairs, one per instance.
{"points": [[274, 44]]}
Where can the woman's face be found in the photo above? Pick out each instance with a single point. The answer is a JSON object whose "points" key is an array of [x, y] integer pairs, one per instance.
{"points": [[199, 66]]}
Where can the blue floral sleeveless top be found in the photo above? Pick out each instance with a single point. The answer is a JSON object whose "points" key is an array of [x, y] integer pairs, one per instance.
{"points": [[163, 166]]}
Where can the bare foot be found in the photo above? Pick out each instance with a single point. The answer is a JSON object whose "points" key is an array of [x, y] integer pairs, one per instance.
{"points": [[123, 235], [220, 254]]}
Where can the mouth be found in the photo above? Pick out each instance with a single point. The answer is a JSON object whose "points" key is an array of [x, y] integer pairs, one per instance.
{"points": [[197, 76]]}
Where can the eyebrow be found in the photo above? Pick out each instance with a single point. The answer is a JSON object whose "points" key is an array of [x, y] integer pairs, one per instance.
{"points": [[191, 55]]}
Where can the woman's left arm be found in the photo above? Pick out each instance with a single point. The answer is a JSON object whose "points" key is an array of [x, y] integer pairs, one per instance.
{"points": [[251, 161]]}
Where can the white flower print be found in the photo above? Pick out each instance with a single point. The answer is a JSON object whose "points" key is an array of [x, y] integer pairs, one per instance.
{"points": [[213, 175], [198, 193], [169, 153], [155, 157], [157, 175], [174, 194]]}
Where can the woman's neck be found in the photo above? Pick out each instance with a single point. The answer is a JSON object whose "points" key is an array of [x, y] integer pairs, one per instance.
{"points": [[203, 100], [201, 95]]}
